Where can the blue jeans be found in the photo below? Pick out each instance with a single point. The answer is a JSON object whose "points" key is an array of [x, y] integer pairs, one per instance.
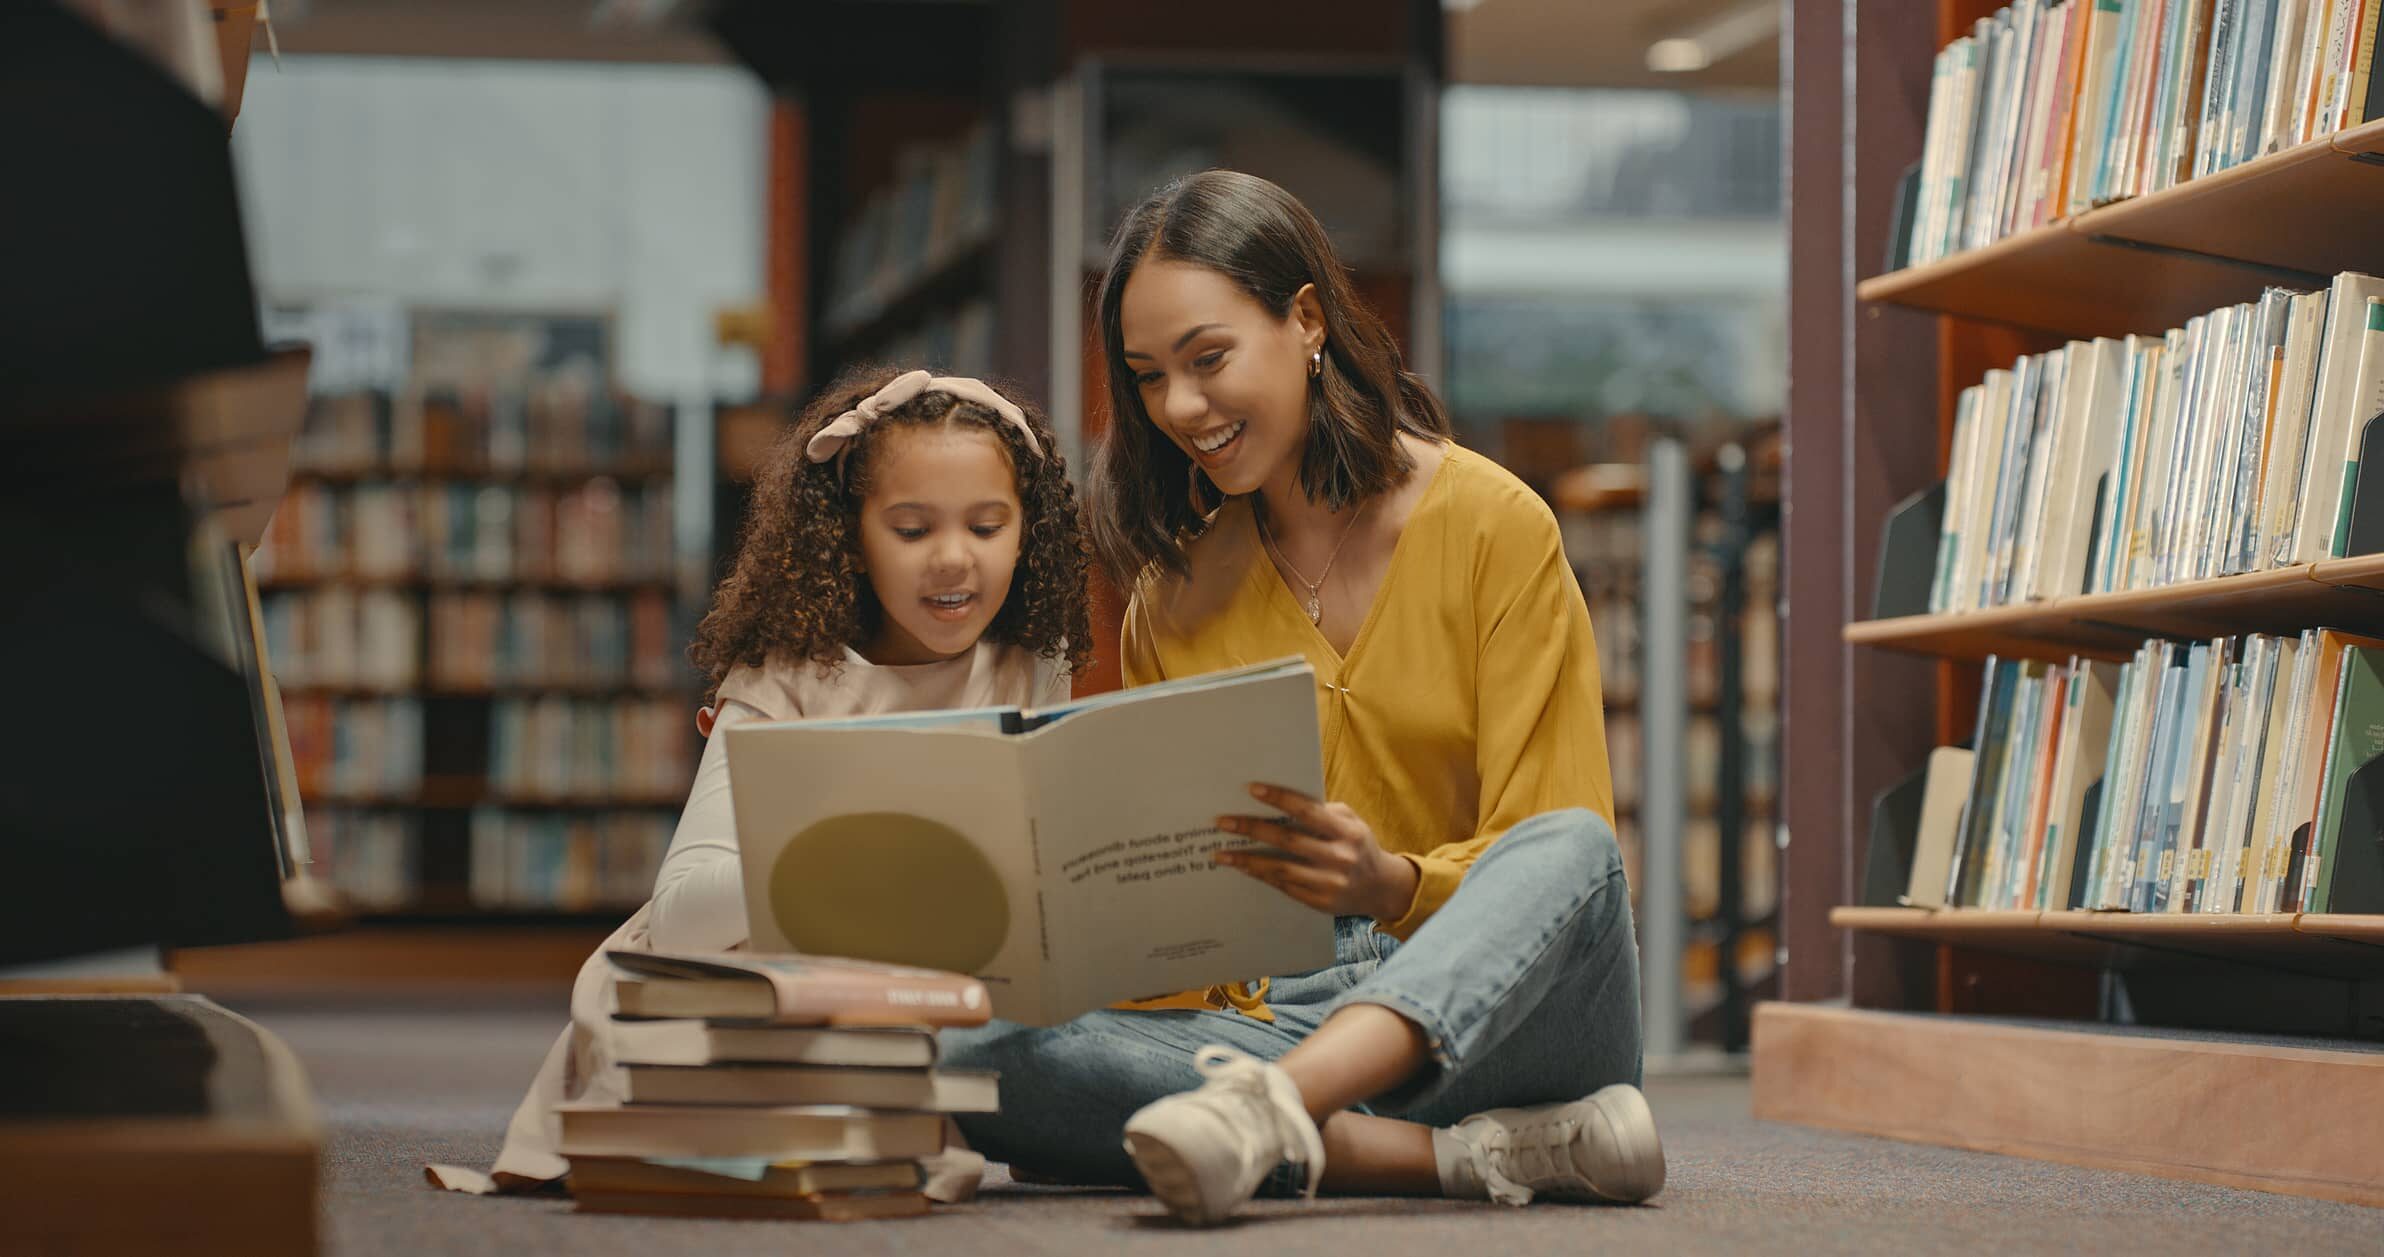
{"points": [[1525, 985]]}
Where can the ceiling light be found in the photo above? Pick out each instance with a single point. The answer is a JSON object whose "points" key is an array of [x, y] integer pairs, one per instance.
{"points": [[1719, 38], [1677, 56]]}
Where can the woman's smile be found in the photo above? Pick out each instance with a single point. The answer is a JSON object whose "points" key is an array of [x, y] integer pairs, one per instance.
{"points": [[1214, 448]]}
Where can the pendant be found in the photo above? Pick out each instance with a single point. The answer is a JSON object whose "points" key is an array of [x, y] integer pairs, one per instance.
{"points": [[1315, 610]]}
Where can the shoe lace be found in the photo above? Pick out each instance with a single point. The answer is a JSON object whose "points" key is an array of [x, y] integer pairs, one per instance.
{"points": [[1274, 1098], [1513, 1159]]}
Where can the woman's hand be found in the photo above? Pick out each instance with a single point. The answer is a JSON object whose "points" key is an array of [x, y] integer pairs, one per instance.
{"points": [[1330, 860]]}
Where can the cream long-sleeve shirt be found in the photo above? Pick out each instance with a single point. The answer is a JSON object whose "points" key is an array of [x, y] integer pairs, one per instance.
{"points": [[699, 895]]}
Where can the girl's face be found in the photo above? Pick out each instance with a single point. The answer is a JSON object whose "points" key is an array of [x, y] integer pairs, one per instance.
{"points": [[940, 533], [1219, 376]]}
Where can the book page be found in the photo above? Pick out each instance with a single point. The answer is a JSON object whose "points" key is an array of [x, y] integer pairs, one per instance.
{"points": [[908, 846], [1127, 795]]}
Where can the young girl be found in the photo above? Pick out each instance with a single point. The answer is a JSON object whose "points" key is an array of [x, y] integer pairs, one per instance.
{"points": [[1273, 482], [913, 543]]}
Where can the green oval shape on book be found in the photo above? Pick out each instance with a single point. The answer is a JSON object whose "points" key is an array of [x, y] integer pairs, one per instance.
{"points": [[830, 894]]}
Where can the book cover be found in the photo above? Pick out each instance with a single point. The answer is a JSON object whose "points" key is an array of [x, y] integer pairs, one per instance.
{"points": [[1062, 856], [2085, 743], [807, 990], [1993, 742], [2289, 430], [2152, 806], [2264, 863], [2317, 487], [2366, 402], [1948, 785], [2358, 738]]}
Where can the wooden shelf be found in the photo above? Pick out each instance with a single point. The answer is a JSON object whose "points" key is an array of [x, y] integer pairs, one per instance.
{"points": [[2333, 946], [2281, 1115], [463, 584], [511, 689], [936, 285], [2150, 263], [656, 468], [2336, 593], [442, 917], [454, 796], [384, 958]]}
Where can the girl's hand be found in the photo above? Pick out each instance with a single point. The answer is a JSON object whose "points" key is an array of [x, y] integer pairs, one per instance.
{"points": [[1330, 859]]}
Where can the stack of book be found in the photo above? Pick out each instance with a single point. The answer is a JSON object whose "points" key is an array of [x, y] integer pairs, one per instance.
{"points": [[774, 1086]]}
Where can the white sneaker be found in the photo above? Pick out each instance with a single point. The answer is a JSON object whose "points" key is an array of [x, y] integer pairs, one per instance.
{"points": [[1204, 1152], [1603, 1147]]}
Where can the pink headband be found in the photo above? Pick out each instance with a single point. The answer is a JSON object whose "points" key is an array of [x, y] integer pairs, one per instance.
{"points": [[830, 441]]}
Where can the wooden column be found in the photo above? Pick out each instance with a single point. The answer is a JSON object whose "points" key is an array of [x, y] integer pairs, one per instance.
{"points": [[789, 249]]}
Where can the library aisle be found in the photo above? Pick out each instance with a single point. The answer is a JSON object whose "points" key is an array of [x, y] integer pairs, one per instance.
{"points": [[437, 1082], [421, 433]]}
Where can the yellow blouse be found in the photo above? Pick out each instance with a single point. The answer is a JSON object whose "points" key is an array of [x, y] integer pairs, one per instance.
{"points": [[1469, 699]]}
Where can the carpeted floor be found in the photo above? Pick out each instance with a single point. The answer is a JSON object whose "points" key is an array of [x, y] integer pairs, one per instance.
{"points": [[401, 1086]]}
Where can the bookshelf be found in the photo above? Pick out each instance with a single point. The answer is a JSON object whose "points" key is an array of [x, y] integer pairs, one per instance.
{"points": [[2154, 261], [2254, 1023], [1729, 718], [471, 597]]}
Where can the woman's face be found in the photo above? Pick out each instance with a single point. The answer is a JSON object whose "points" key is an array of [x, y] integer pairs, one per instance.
{"points": [[1219, 376]]}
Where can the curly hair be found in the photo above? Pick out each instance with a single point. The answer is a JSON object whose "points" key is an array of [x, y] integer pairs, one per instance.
{"points": [[795, 590]]}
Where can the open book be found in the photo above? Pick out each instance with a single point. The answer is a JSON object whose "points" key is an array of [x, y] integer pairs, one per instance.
{"points": [[1061, 855]]}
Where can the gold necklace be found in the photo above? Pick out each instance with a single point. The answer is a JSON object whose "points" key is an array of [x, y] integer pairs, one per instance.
{"points": [[1315, 604]]}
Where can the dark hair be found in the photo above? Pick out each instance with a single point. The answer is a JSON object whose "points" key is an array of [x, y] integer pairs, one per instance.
{"points": [[1260, 237], [795, 589]]}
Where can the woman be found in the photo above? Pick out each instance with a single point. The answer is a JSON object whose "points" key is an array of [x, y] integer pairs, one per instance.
{"points": [[1274, 483]]}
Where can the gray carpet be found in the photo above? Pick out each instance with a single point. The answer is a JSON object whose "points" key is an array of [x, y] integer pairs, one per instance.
{"points": [[400, 1086]]}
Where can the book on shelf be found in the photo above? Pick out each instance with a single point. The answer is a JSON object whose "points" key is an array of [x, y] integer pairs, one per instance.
{"points": [[2229, 445], [634, 749], [533, 639], [2048, 108], [547, 422], [598, 533], [941, 202], [369, 857], [340, 637], [1944, 788], [565, 861], [359, 747], [2223, 766], [1064, 855]]}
